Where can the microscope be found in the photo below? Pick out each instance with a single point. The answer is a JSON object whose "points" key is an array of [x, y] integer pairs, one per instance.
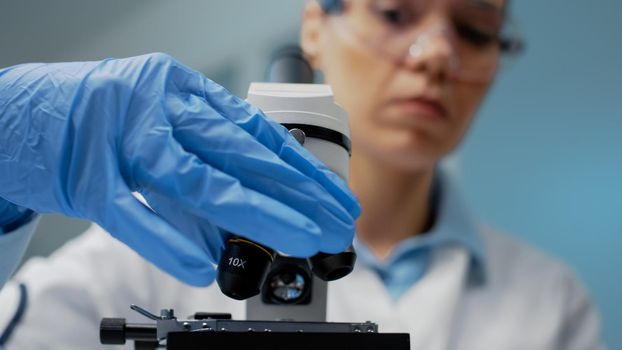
{"points": [[286, 297]]}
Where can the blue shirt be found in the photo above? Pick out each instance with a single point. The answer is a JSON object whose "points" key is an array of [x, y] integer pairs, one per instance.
{"points": [[408, 262]]}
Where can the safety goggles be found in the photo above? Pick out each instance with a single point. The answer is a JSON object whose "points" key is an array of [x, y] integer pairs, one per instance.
{"points": [[474, 36]]}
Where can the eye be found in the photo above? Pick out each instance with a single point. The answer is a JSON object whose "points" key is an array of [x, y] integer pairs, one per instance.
{"points": [[396, 16], [475, 36]]}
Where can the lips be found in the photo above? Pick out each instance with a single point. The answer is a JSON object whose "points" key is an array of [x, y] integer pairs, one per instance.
{"points": [[420, 107]]}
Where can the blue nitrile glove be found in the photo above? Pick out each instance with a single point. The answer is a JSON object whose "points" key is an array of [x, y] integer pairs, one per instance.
{"points": [[79, 138], [12, 216]]}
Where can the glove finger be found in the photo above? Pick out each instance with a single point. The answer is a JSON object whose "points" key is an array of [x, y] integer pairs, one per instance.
{"points": [[154, 239], [221, 199], [269, 133], [233, 151]]}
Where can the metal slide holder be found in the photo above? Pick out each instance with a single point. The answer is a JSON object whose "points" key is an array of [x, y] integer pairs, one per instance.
{"points": [[219, 331]]}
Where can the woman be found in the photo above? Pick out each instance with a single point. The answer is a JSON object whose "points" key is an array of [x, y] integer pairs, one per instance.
{"points": [[411, 74]]}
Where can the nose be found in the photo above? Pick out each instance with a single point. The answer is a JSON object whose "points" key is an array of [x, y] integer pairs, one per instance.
{"points": [[433, 52]]}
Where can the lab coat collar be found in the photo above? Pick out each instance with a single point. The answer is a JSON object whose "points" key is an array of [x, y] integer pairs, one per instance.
{"points": [[454, 225]]}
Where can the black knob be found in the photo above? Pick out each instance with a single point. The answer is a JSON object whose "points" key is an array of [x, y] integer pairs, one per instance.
{"points": [[112, 331]]}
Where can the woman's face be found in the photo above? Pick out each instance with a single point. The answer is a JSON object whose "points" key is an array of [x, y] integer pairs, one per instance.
{"points": [[406, 110]]}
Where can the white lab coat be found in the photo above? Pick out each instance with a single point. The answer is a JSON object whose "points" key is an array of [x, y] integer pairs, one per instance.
{"points": [[12, 247], [528, 301]]}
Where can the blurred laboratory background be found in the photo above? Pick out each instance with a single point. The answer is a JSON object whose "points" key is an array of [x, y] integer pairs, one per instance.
{"points": [[543, 162]]}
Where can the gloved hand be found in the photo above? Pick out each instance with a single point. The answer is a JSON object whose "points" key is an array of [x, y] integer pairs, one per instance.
{"points": [[79, 138]]}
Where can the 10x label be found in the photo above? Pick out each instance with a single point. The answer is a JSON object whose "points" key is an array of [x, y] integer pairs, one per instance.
{"points": [[237, 262]]}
